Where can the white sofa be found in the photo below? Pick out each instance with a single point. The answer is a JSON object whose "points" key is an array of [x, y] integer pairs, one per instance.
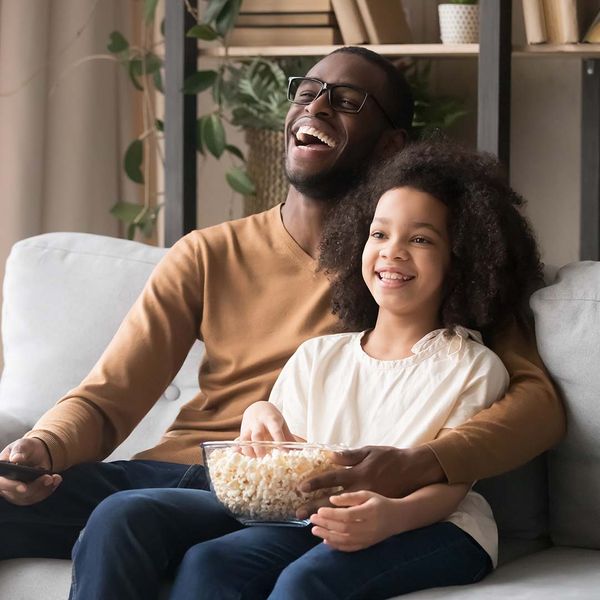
{"points": [[66, 293]]}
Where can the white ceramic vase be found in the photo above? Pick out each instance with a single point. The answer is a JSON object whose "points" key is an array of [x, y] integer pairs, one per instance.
{"points": [[459, 23]]}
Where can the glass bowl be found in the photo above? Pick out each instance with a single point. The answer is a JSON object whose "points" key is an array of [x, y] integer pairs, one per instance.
{"points": [[257, 482]]}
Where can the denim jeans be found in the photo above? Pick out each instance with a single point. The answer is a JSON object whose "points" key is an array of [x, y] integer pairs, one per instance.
{"points": [[133, 539], [49, 528]]}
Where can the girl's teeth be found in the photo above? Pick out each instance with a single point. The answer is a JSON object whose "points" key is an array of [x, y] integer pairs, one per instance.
{"points": [[394, 276]]}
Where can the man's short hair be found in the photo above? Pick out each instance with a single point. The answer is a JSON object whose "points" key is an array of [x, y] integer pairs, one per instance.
{"points": [[398, 90]]}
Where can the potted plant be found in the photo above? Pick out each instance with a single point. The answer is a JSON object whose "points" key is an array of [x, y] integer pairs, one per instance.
{"points": [[459, 22]]}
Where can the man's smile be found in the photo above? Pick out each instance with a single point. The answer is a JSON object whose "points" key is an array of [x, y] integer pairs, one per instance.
{"points": [[307, 135], [312, 137]]}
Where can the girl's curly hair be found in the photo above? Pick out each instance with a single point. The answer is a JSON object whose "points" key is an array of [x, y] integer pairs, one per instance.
{"points": [[495, 262]]}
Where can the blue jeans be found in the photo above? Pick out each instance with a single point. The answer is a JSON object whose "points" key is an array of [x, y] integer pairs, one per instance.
{"points": [[133, 539], [49, 529]]}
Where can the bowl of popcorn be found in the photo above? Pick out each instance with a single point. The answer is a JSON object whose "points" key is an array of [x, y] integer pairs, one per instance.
{"points": [[257, 482]]}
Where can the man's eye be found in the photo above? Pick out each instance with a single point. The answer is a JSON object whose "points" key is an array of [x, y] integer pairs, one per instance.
{"points": [[347, 103], [306, 95]]}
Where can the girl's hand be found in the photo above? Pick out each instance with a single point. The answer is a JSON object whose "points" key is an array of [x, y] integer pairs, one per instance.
{"points": [[357, 520], [262, 422]]}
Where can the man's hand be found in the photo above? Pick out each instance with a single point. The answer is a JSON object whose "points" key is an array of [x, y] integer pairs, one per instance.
{"points": [[357, 520], [391, 472], [263, 422], [31, 452]]}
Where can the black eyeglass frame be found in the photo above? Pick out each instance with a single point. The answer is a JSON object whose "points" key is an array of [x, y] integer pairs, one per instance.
{"points": [[329, 87]]}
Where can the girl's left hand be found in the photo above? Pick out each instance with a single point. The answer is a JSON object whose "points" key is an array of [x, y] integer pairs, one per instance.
{"points": [[357, 520]]}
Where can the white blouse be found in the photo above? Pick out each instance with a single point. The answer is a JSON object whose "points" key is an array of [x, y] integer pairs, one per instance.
{"points": [[331, 391]]}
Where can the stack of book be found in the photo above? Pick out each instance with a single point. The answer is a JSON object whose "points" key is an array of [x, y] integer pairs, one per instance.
{"points": [[319, 22], [556, 22], [285, 23]]}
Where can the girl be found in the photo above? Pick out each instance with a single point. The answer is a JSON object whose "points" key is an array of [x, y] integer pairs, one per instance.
{"points": [[447, 253], [428, 253]]}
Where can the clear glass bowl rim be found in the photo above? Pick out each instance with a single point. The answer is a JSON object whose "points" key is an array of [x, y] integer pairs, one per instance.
{"points": [[273, 444]]}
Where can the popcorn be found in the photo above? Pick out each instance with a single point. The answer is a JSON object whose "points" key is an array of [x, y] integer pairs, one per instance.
{"points": [[264, 487]]}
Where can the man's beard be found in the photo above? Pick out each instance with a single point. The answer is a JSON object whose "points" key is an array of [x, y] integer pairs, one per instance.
{"points": [[329, 186]]}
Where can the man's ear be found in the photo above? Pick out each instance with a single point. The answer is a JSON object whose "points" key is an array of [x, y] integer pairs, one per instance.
{"points": [[390, 142]]}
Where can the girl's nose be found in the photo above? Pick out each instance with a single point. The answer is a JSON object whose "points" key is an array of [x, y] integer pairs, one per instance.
{"points": [[394, 252]]}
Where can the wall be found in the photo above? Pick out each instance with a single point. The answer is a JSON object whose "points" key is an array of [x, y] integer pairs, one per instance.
{"points": [[545, 136]]}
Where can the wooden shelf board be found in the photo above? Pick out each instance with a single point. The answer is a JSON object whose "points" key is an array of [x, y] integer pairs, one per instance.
{"points": [[558, 50], [423, 50], [433, 50]]}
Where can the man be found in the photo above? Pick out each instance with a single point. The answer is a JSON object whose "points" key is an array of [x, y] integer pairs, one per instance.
{"points": [[250, 291]]}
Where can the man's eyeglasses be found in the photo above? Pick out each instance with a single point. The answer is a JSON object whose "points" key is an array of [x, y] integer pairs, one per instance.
{"points": [[342, 98]]}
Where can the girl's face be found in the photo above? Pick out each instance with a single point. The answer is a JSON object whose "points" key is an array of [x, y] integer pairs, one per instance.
{"points": [[407, 255]]}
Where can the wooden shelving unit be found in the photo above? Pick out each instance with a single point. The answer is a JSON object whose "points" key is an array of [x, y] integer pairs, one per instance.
{"points": [[494, 55]]}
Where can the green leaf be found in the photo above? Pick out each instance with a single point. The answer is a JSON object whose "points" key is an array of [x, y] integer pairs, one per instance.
{"points": [[159, 124], [235, 151], [213, 9], [158, 82], [126, 212], [199, 81], [134, 156], [203, 32], [213, 135], [150, 64], [131, 69], [117, 43], [149, 10], [199, 143], [227, 17], [238, 179]]}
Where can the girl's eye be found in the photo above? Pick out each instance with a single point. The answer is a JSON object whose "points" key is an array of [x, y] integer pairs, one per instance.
{"points": [[377, 235], [420, 240]]}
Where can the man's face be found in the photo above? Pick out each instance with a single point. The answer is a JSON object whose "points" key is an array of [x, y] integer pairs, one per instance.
{"points": [[328, 151]]}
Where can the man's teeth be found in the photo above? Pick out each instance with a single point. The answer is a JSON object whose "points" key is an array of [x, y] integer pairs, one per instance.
{"points": [[390, 275], [305, 131]]}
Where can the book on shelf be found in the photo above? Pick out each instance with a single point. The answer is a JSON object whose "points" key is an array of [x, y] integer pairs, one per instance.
{"points": [[385, 21], [593, 33], [322, 19], [562, 26], [285, 6], [350, 22], [535, 22], [284, 36]]}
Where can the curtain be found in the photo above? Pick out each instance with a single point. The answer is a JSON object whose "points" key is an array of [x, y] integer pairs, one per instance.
{"points": [[66, 117]]}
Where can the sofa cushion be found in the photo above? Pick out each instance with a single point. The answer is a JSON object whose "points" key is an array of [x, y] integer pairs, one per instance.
{"points": [[65, 295], [553, 574], [519, 500], [567, 316]]}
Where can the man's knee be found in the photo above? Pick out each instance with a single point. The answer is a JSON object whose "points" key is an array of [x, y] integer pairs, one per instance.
{"points": [[122, 512]]}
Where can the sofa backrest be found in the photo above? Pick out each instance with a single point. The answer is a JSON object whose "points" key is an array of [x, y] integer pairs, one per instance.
{"points": [[65, 295], [567, 318]]}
